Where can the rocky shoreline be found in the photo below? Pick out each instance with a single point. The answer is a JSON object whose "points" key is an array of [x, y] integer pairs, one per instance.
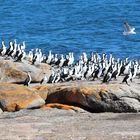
{"points": [[69, 105]]}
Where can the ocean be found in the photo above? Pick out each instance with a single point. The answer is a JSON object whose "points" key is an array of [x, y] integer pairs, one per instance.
{"points": [[72, 25]]}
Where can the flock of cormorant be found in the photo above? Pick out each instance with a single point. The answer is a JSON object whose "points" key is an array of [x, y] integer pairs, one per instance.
{"points": [[64, 67]]}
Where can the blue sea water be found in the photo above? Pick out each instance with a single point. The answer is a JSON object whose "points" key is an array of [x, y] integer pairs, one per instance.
{"points": [[72, 25]]}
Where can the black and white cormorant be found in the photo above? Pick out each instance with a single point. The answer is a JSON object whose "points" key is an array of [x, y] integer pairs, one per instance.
{"points": [[28, 79], [9, 49], [107, 77], [3, 49], [44, 80], [128, 77]]}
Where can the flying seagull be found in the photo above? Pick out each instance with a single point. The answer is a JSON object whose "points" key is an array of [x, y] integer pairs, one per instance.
{"points": [[128, 29]]}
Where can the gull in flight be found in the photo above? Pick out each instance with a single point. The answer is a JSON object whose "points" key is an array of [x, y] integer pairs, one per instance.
{"points": [[128, 29]]}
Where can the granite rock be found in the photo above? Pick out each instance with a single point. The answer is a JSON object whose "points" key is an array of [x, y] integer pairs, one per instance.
{"points": [[94, 97], [17, 71], [15, 97]]}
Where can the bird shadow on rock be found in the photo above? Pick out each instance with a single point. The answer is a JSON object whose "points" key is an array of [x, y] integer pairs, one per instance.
{"points": [[22, 82]]}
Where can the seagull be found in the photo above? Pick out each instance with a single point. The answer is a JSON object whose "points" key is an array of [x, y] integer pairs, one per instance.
{"points": [[128, 29]]}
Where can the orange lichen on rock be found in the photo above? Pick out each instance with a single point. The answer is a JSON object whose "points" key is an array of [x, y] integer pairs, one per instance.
{"points": [[59, 106], [65, 96], [90, 96], [42, 90], [15, 97]]}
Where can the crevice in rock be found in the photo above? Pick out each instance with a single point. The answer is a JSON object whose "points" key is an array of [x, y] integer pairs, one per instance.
{"points": [[130, 97], [22, 82], [76, 105]]}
